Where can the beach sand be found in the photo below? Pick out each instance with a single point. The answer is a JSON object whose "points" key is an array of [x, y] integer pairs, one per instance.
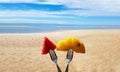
{"points": [[22, 52]]}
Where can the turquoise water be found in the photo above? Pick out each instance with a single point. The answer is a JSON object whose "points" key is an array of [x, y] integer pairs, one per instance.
{"points": [[35, 28]]}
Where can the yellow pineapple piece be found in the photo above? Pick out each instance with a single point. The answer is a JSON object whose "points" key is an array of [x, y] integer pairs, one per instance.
{"points": [[62, 46], [69, 42], [73, 43], [79, 48]]}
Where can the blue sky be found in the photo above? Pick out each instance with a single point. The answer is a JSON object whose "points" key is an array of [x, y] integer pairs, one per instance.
{"points": [[84, 12]]}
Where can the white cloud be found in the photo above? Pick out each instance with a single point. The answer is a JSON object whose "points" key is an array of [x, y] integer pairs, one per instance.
{"points": [[22, 20], [34, 13], [95, 8], [31, 13]]}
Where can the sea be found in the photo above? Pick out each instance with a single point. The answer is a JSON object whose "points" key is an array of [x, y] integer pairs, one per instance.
{"points": [[37, 28]]}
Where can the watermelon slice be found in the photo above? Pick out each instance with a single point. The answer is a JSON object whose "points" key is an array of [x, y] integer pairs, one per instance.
{"points": [[47, 45]]}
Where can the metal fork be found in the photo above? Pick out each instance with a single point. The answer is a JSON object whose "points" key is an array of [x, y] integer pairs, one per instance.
{"points": [[54, 58], [69, 58]]}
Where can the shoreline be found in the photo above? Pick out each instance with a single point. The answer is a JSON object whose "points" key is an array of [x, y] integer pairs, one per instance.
{"points": [[59, 31]]}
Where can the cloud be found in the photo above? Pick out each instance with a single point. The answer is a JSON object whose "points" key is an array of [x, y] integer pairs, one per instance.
{"points": [[32, 13], [95, 7], [73, 7], [39, 21], [56, 11]]}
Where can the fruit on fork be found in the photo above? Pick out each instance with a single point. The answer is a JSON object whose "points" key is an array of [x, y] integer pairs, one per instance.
{"points": [[47, 46], [71, 43]]}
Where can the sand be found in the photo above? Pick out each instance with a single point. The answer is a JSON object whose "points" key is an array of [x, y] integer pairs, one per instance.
{"points": [[22, 52]]}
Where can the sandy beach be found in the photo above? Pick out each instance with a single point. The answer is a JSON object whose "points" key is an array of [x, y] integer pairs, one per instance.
{"points": [[22, 52]]}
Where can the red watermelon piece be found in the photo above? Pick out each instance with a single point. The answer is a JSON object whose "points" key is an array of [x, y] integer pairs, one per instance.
{"points": [[47, 45]]}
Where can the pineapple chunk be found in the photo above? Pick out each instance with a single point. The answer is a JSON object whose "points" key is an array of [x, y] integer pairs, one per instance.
{"points": [[73, 43]]}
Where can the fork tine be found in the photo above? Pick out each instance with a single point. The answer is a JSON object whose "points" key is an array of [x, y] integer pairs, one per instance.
{"points": [[53, 55], [69, 58], [70, 54]]}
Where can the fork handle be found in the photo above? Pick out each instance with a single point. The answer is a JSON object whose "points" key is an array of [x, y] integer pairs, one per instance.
{"points": [[67, 68], [58, 68]]}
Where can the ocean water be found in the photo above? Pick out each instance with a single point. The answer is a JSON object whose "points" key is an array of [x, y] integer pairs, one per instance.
{"points": [[36, 28]]}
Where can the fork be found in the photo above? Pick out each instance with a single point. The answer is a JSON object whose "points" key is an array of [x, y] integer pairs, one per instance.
{"points": [[69, 58], [54, 58]]}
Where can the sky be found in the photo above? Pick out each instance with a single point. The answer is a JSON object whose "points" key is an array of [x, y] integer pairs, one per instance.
{"points": [[82, 12]]}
